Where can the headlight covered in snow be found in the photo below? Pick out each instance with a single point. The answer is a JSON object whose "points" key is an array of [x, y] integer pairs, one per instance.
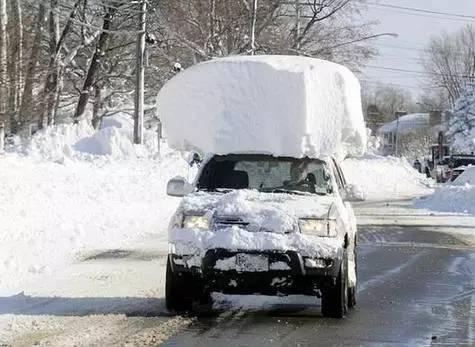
{"points": [[318, 227], [196, 222]]}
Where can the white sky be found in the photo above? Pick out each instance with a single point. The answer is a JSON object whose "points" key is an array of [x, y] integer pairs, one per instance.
{"points": [[414, 30]]}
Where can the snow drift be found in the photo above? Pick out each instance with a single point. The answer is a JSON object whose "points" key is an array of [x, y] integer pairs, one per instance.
{"points": [[456, 197], [383, 178], [280, 105], [113, 140]]}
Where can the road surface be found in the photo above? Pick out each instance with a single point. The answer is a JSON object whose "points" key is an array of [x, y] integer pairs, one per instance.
{"points": [[416, 287]]}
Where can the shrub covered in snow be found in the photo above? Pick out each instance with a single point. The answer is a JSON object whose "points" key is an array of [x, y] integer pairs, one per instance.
{"points": [[461, 132]]}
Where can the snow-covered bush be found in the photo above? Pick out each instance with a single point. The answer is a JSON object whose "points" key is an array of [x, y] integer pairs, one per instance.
{"points": [[461, 132]]}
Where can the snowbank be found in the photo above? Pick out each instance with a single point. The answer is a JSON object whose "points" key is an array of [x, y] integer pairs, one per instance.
{"points": [[281, 105], [467, 177], [383, 178], [456, 197], [81, 141], [49, 212], [69, 188]]}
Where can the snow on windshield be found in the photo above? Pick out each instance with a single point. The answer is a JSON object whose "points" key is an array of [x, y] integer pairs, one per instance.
{"points": [[280, 105]]}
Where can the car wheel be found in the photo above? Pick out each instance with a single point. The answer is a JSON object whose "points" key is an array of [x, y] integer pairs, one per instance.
{"points": [[335, 299], [352, 291], [178, 291]]}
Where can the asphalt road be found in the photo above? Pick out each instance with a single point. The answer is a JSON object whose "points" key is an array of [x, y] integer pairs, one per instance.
{"points": [[416, 287]]}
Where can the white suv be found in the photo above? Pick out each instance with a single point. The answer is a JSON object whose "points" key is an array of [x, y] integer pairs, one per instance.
{"points": [[258, 224]]}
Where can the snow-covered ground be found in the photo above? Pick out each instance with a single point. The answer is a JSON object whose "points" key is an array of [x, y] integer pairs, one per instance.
{"points": [[58, 202], [383, 178]]}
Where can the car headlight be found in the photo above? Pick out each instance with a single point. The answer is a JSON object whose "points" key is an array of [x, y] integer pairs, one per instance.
{"points": [[318, 227], [196, 222]]}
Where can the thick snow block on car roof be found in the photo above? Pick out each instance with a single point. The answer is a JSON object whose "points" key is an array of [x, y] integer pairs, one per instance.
{"points": [[279, 105]]}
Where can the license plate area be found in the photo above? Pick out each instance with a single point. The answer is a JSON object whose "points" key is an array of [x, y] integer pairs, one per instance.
{"points": [[251, 262]]}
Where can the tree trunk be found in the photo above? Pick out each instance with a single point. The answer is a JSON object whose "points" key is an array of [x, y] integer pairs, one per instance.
{"points": [[26, 108], [96, 118], [54, 69], [3, 59], [94, 65], [15, 76]]}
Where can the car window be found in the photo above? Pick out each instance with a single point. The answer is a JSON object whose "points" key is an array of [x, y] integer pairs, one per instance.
{"points": [[266, 174]]}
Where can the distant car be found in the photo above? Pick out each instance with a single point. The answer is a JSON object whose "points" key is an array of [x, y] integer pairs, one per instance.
{"points": [[259, 224]]}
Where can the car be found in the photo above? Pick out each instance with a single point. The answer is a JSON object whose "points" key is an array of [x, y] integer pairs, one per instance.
{"points": [[260, 224]]}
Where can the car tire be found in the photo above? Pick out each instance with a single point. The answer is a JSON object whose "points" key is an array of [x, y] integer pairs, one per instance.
{"points": [[335, 298], [352, 291], [178, 291]]}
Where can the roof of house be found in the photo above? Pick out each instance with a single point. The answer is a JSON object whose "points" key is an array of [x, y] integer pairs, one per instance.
{"points": [[407, 123]]}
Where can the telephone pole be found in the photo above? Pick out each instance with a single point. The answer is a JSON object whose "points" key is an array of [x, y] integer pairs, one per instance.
{"points": [[140, 76]]}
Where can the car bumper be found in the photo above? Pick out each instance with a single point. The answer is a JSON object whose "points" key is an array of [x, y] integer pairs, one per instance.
{"points": [[277, 272]]}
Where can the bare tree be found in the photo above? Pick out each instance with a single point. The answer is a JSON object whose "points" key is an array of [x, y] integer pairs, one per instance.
{"points": [[15, 29], [450, 61], [99, 52]]}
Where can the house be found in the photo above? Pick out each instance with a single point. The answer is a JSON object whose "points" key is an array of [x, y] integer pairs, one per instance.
{"points": [[390, 133]]}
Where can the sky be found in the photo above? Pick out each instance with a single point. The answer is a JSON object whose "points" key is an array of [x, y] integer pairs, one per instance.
{"points": [[414, 31]]}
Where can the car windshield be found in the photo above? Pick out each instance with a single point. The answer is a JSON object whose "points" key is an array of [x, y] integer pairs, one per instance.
{"points": [[266, 174]]}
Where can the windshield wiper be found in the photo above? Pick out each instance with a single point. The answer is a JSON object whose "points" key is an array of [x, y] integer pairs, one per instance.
{"points": [[285, 191]]}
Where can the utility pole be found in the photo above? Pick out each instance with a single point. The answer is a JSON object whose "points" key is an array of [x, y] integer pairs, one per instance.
{"points": [[297, 24], [253, 27], [140, 76], [2, 137]]}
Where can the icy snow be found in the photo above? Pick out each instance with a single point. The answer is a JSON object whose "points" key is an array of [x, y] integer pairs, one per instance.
{"points": [[280, 105], [466, 177], [383, 178]]}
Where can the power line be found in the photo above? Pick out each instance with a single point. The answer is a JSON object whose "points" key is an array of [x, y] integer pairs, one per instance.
{"points": [[438, 17], [420, 10], [416, 72]]}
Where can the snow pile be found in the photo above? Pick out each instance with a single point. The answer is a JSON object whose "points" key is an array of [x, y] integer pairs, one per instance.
{"points": [[466, 177], [457, 197], [383, 178], [281, 105], [49, 212], [81, 141]]}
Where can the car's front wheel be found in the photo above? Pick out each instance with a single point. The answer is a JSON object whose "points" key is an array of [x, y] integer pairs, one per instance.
{"points": [[335, 298], [178, 290]]}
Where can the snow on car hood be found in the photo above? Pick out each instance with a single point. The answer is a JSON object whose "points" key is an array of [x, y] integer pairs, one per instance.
{"points": [[275, 212]]}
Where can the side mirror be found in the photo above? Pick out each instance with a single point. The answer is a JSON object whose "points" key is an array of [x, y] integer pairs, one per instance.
{"points": [[354, 193], [179, 187]]}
